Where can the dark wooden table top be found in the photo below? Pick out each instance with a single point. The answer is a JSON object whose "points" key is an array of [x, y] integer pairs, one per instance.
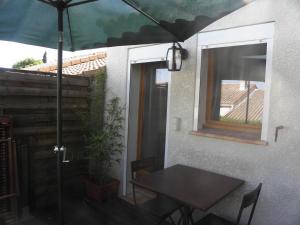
{"points": [[191, 186]]}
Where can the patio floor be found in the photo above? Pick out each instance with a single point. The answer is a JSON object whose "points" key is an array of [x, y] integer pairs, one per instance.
{"points": [[82, 212]]}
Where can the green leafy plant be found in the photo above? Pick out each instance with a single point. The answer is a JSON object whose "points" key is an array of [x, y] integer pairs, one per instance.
{"points": [[91, 118], [26, 63], [106, 145]]}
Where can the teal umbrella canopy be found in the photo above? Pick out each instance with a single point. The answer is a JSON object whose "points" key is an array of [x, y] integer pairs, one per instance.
{"points": [[105, 23]]}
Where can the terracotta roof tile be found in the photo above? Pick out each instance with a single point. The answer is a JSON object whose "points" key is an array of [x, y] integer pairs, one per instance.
{"points": [[256, 100], [232, 95], [75, 65]]}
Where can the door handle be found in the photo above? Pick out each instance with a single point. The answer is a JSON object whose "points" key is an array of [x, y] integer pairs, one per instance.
{"points": [[64, 150]]}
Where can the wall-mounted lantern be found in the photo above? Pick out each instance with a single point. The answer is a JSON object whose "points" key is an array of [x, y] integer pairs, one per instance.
{"points": [[175, 55]]}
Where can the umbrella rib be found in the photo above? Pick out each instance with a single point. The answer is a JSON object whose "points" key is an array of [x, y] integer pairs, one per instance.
{"points": [[80, 3], [47, 2], [150, 17], [67, 2], [70, 30]]}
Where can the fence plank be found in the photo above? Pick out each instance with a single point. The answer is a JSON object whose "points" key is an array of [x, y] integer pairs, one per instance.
{"points": [[44, 79], [24, 91], [44, 130], [24, 105]]}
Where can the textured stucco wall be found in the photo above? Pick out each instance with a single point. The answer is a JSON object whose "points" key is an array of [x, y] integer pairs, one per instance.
{"points": [[276, 165]]}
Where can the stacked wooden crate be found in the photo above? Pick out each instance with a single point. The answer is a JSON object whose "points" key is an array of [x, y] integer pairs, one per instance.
{"points": [[8, 173]]}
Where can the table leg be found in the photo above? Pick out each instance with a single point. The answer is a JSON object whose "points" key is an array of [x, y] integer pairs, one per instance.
{"points": [[191, 215], [186, 214]]}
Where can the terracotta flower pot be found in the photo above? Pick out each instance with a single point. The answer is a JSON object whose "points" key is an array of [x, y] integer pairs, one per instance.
{"points": [[102, 192]]}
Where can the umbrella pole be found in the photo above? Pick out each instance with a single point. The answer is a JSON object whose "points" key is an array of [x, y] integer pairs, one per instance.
{"points": [[59, 114]]}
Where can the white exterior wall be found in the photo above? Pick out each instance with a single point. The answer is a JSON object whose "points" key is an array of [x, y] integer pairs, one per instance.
{"points": [[277, 165], [116, 86]]}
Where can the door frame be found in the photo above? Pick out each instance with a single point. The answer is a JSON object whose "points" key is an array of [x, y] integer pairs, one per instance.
{"points": [[137, 55], [141, 110]]}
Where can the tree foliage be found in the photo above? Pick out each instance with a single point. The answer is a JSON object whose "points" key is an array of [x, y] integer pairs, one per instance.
{"points": [[26, 63]]}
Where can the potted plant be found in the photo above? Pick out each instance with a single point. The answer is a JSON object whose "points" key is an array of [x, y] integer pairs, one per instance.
{"points": [[104, 147]]}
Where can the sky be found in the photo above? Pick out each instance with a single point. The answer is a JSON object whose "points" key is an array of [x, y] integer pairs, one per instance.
{"points": [[11, 52]]}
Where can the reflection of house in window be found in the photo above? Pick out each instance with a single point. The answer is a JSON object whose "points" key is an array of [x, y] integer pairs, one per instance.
{"points": [[255, 109], [234, 103], [232, 94]]}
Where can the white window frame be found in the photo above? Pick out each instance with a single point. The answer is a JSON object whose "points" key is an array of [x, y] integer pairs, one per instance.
{"points": [[238, 36]]}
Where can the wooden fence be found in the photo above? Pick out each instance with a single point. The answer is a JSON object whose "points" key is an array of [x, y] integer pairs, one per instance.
{"points": [[30, 100]]}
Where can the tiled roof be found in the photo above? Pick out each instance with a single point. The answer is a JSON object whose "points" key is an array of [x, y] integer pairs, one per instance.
{"points": [[76, 65], [232, 95], [256, 100]]}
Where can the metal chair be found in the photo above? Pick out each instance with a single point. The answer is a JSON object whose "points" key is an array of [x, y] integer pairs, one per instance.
{"points": [[248, 200], [161, 207]]}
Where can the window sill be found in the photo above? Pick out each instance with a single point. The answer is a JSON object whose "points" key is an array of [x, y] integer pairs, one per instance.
{"points": [[235, 136]]}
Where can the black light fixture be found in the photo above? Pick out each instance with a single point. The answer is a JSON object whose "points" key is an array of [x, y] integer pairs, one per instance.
{"points": [[174, 57]]}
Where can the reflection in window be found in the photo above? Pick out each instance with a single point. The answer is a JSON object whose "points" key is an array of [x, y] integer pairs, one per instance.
{"points": [[236, 83], [162, 76]]}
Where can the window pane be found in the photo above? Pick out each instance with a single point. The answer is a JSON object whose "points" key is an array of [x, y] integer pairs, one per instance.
{"points": [[238, 83], [162, 76]]}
